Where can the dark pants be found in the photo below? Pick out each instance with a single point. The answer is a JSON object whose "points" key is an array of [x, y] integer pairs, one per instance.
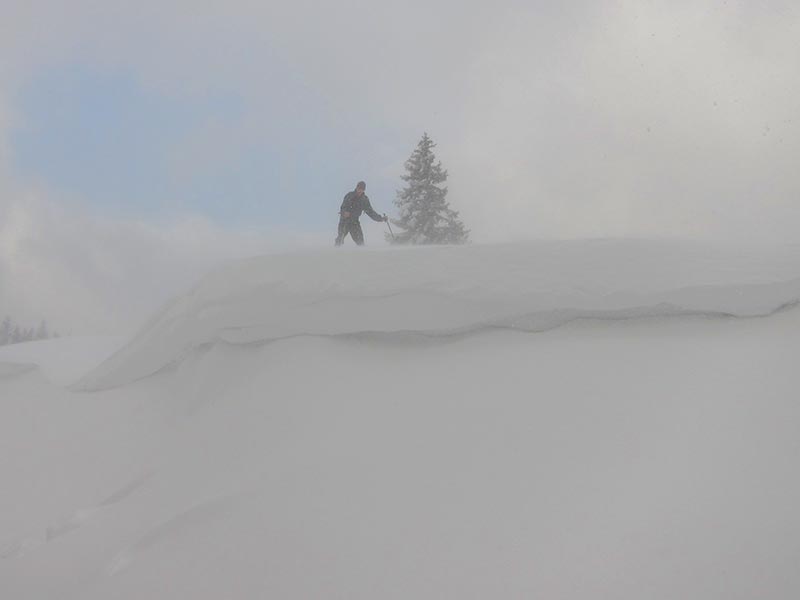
{"points": [[351, 227]]}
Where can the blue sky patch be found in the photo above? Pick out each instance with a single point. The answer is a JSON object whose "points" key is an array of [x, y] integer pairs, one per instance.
{"points": [[101, 136]]}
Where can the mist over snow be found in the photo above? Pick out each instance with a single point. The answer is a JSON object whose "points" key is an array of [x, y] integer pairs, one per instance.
{"points": [[563, 419], [597, 398], [239, 128], [94, 275]]}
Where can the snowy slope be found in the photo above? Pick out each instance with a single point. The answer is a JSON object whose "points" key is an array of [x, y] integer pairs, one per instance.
{"points": [[62, 361], [616, 457], [438, 291]]}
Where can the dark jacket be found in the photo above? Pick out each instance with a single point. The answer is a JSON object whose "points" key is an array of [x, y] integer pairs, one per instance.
{"points": [[355, 206]]}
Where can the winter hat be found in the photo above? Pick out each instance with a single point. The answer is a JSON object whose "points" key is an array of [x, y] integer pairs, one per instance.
{"points": [[361, 185]]}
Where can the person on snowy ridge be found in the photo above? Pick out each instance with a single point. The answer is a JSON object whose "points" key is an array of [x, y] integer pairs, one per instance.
{"points": [[354, 204]]}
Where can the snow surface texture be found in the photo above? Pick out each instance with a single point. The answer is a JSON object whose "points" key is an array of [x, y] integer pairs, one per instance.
{"points": [[435, 292], [576, 420], [62, 361]]}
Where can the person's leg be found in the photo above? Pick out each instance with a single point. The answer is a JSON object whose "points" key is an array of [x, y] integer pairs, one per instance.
{"points": [[342, 233], [356, 233]]}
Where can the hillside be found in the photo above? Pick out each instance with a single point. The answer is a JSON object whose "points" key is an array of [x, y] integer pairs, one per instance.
{"points": [[565, 420]]}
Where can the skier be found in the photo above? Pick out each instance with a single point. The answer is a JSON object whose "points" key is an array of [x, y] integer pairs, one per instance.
{"points": [[354, 204]]}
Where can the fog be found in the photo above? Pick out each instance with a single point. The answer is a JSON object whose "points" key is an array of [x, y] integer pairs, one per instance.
{"points": [[555, 121], [579, 419], [595, 397]]}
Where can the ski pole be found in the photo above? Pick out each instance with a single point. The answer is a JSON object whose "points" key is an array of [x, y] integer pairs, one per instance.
{"points": [[389, 225]]}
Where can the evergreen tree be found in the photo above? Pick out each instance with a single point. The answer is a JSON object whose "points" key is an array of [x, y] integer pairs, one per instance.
{"points": [[12, 333], [425, 214], [5, 331]]}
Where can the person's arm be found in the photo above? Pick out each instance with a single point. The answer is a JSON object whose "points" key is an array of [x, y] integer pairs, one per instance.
{"points": [[372, 214], [344, 209]]}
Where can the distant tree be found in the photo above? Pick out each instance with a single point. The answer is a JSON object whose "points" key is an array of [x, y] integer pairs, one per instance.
{"points": [[13, 333], [425, 215], [5, 331]]}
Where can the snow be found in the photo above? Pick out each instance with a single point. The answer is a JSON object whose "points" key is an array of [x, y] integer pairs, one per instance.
{"points": [[62, 360], [570, 420], [440, 291]]}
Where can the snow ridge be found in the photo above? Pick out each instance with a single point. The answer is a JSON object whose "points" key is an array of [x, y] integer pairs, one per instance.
{"points": [[442, 292]]}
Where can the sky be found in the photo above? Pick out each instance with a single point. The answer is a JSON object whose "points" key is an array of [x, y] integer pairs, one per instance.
{"points": [[142, 143]]}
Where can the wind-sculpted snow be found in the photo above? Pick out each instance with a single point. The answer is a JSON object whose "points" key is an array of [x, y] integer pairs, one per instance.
{"points": [[8, 370], [61, 361], [370, 424], [446, 291]]}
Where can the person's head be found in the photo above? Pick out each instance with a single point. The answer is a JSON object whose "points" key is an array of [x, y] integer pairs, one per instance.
{"points": [[361, 188]]}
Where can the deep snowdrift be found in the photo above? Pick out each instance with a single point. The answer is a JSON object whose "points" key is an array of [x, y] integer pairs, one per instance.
{"points": [[441, 291], [615, 457], [62, 361]]}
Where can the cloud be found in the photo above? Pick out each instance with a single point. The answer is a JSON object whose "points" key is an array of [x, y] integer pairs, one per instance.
{"points": [[554, 119], [638, 119]]}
